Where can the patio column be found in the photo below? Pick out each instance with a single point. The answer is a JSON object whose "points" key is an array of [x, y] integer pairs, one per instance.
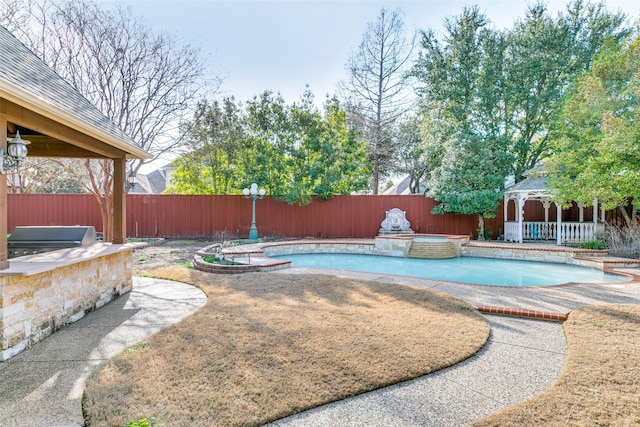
{"points": [[4, 254], [119, 202]]}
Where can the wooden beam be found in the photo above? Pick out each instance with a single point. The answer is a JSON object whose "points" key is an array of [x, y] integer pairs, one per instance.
{"points": [[60, 150], [4, 254], [45, 146], [41, 124], [119, 202]]}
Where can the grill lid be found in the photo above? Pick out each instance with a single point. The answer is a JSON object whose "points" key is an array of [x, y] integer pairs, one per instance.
{"points": [[52, 236]]}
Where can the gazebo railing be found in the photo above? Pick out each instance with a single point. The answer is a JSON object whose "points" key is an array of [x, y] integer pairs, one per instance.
{"points": [[539, 230], [510, 231], [570, 232], [577, 232]]}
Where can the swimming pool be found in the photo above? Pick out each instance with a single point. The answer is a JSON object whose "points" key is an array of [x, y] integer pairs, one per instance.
{"points": [[482, 271]]}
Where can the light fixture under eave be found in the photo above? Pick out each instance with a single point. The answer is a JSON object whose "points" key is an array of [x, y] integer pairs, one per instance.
{"points": [[14, 155]]}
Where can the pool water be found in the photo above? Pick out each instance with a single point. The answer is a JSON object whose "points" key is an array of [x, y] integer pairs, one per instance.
{"points": [[482, 271]]}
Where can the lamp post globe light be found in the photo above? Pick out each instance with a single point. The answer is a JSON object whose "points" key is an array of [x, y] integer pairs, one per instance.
{"points": [[253, 193]]}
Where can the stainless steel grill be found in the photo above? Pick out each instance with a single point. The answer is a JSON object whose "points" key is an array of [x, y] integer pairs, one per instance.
{"points": [[35, 240]]}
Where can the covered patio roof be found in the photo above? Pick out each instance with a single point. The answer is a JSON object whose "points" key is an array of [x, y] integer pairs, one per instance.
{"points": [[50, 113], [58, 121]]}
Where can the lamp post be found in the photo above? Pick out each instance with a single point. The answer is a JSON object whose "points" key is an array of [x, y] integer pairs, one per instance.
{"points": [[253, 193], [130, 182]]}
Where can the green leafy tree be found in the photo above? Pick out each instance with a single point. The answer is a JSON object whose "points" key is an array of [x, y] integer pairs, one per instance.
{"points": [[597, 148], [448, 71], [293, 151], [462, 79], [216, 136], [270, 145], [300, 152], [343, 166], [470, 178], [412, 153], [513, 81], [544, 54], [503, 89]]}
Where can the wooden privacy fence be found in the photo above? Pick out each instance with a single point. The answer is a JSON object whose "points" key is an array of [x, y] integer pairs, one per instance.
{"points": [[182, 216]]}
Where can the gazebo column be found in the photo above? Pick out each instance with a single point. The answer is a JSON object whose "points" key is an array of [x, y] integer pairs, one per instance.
{"points": [[505, 210], [595, 210], [520, 212], [546, 204], [119, 201], [581, 208], [4, 253], [558, 224]]}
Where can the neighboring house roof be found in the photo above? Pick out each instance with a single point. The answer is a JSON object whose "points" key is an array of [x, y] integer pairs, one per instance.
{"points": [[401, 188], [154, 182], [151, 183], [25, 80]]}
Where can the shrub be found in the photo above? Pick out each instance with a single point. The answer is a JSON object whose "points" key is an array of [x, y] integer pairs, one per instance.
{"points": [[623, 241], [594, 244], [218, 260]]}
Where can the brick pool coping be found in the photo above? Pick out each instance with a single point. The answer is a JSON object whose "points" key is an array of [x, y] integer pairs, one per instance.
{"points": [[260, 260]]}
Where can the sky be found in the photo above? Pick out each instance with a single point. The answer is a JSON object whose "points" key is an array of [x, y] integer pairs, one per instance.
{"points": [[283, 46]]}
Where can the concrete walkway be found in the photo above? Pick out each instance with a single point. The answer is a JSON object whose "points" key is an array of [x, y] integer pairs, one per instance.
{"points": [[522, 358], [43, 386]]}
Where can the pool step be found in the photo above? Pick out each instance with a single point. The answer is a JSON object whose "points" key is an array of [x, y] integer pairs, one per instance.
{"points": [[432, 250]]}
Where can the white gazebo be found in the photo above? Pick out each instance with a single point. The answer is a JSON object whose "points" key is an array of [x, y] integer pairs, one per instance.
{"points": [[559, 231]]}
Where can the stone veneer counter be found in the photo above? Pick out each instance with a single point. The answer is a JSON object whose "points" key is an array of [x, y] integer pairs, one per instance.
{"points": [[41, 293]]}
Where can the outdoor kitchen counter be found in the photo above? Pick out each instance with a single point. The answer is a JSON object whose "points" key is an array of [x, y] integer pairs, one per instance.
{"points": [[41, 293], [39, 263]]}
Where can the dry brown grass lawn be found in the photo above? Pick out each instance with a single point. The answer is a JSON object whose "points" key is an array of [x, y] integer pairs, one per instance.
{"points": [[600, 383], [266, 346]]}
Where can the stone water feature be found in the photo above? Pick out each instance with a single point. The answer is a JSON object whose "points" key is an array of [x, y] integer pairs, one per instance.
{"points": [[395, 222], [432, 248]]}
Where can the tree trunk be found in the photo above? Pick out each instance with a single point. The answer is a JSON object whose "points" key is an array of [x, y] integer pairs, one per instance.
{"points": [[375, 179], [625, 215], [480, 227], [106, 210]]}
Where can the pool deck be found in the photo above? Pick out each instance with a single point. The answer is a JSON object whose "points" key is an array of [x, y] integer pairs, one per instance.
{"points": [[545, 303]]}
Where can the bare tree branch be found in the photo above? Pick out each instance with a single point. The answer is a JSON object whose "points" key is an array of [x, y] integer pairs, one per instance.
{"points": [[378, 91]]}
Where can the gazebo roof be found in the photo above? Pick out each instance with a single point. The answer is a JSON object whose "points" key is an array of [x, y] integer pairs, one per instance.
{"points": [[529, 188], [529, 184], [49, 112]]}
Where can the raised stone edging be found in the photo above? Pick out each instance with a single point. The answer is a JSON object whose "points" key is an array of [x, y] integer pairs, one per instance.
{"points": [[518, 312], [254, 256]]}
